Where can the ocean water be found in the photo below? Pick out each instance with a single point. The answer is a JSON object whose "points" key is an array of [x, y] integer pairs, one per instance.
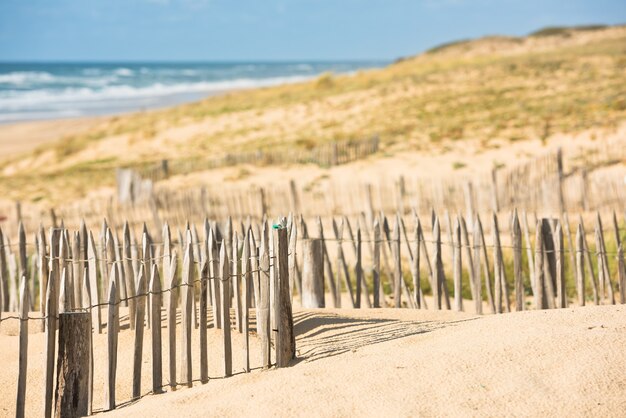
{"points": [[34, 91]]}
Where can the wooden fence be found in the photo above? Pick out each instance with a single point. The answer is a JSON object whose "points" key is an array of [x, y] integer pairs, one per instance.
{"points": [[72, 275], [326, 155], [585, 180], [440, 263]]}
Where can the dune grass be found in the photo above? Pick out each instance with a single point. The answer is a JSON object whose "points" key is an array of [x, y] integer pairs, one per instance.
{"points": [[422, 103]]}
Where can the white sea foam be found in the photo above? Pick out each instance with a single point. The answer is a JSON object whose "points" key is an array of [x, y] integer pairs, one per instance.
{"points": [[26, 77], [13, 101], [124, 72]]}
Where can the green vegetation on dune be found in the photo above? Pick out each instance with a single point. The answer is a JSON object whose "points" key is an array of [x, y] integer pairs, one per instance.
{"points": [[416, 103]]}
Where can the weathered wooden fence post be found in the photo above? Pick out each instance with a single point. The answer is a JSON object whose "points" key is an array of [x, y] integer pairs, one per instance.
{"points": [[529, 253], [516, 241], [549, 253], [73, 368], [186, 306], [312, 274], [86, 304], [225, 278], [415, 266], [621, 274], [51, 315], [604, 276], [457, 266], [481, 236], [468, 257], [215, 283], [376, 264], [561, 296], [358, 269], [246, 277], [587, 254], [112, 327], [96, 314], [204, 278], [285, 341], [139, 329], [397, 272], [43, 274], [172, 302], [580, 266], [294, 280], [129, 275], [155, 315], [342, 267], [328, 267], [20, 406], [263, 307], [497, 265], [540, 293]]}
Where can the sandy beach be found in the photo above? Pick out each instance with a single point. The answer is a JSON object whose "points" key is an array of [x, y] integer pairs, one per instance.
{"points": [[567, 362]]}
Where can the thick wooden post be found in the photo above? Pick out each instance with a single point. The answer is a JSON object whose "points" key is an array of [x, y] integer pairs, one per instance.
{"points": [[285, 341], [20, 406], [73, 368], [312, 274]]}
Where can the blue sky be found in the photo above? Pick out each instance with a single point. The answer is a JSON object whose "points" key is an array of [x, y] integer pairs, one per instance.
{"points": [[271, 29]]}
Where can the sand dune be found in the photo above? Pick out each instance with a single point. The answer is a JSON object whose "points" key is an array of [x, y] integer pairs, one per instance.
{"points": [[407, 363], [388, 362]]}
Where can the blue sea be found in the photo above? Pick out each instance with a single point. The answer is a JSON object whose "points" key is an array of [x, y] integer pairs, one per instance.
{"points": [[35, 91]]}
